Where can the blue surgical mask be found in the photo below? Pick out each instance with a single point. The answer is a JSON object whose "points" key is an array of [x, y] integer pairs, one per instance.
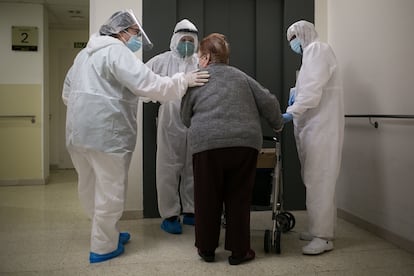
{"points": [[134, 43], [185, 48], [295, 46]]}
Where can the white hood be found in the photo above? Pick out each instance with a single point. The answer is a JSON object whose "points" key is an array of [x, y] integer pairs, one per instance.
{"points": [[97, 42]]}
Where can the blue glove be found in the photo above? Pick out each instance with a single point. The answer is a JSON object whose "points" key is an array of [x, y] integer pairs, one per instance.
{"points": [[287, 117], [292, 95]]}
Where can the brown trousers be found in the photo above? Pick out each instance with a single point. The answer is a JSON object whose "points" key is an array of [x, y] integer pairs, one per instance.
{"points": [[226, 177]]}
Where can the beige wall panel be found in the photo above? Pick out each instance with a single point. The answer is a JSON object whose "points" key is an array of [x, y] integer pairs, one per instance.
{"points": [[20, 147]]}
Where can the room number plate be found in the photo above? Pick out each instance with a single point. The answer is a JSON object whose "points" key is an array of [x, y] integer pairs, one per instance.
{"points": [[24, 38]]}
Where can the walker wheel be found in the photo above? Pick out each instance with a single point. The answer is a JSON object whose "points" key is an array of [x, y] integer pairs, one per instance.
{"points": [[291, 218], [277, 242], [283, 222], [267, 241]]}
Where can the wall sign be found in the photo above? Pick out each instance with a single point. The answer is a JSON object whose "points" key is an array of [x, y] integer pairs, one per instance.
{"points": [[24, 38]]}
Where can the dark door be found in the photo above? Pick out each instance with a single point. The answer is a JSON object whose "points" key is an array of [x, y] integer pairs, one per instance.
{"points": [[256, 30]]}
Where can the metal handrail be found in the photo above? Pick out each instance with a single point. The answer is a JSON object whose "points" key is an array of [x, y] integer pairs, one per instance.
{"points": [[375, 123], [31, 117]]}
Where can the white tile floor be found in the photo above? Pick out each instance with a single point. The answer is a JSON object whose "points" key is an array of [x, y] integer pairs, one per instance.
{"points": [[43, 231]]}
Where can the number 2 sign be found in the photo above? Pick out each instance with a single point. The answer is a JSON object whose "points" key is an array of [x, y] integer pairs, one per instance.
{"points": [[24, 38]]}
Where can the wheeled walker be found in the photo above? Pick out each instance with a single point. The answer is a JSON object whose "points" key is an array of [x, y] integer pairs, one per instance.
{"points": [[282, 221]]}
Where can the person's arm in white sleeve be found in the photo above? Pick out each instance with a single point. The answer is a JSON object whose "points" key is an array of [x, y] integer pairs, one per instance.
{"points": [[135, 75], [314, 74], [67, 86], [69, 82], [151, 65]]}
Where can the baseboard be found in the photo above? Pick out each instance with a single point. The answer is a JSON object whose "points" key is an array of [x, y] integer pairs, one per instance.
{"points": [[131, 215], [383, 233], [53, 167], [23, 182]]}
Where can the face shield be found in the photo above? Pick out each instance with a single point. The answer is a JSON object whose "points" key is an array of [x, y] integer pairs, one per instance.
{"points": [[146, 42], [122, 20]]}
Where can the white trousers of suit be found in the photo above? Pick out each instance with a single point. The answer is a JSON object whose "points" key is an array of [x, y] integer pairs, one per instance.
{"points": [[102, 183]]}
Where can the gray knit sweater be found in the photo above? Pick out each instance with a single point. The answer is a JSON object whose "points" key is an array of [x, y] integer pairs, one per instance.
{"points": [[226, 111]]}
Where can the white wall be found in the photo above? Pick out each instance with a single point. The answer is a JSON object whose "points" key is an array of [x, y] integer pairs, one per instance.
{"points": [[373, 42], [22, 67], [98, 15], [321, 17], [23, 76]]}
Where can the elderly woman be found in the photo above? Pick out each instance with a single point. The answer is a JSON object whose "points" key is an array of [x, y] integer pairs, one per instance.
{"points": [[225, 137]]}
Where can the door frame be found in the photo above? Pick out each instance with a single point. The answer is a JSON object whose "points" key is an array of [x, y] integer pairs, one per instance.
{"points": [[159, 24]]}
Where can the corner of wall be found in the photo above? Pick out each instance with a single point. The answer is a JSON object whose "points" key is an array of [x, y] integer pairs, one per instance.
{"points": [[321, 19]]}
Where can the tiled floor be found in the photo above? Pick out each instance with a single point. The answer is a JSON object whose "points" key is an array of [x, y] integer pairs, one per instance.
{"points": [[43, 231]]}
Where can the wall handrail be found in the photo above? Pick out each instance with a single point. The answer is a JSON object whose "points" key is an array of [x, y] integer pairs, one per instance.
{"points": [[31, 117], [375, 123]]}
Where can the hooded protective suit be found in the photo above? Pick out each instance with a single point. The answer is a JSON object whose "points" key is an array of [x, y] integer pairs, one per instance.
{"points": [[101, 91], [174, 170], [318, 117]]}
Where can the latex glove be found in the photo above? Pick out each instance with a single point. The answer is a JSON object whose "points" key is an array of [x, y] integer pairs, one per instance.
{"points": [[287, 117], [196, 78], [292, 95]]}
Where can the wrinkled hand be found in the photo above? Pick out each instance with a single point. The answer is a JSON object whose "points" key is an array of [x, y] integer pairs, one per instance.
{"points": [[287, 117], [197, 78], [292, 95]]}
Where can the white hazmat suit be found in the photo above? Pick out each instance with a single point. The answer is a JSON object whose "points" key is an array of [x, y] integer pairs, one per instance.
{"points": [[318, 117], [174, 170], [101, 91]]}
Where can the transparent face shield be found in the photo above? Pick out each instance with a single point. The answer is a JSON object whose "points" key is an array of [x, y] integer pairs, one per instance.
{"points": [[146, 42]]}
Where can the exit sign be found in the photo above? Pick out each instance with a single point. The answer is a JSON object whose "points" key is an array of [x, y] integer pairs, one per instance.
{"points": [[79, 45]]}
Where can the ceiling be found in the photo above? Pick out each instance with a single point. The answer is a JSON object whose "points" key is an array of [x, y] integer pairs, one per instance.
{"points": [[63, 14]]}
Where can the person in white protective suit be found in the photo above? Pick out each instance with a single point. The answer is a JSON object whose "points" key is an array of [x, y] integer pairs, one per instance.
{"points": [[317, 109], [174, 170], [101, 91]]}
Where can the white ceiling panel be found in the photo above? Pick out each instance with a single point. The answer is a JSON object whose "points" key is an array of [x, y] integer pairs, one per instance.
{"points": [[63, 14]]}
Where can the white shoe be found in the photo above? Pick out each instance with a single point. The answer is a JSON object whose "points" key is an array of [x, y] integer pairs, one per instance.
{"points": [[317, 246], [306, 236]]}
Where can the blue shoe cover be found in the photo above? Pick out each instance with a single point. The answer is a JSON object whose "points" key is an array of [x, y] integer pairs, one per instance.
{"points": [[189, 220], [97, 258], [124, 237], [172, 227]]}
